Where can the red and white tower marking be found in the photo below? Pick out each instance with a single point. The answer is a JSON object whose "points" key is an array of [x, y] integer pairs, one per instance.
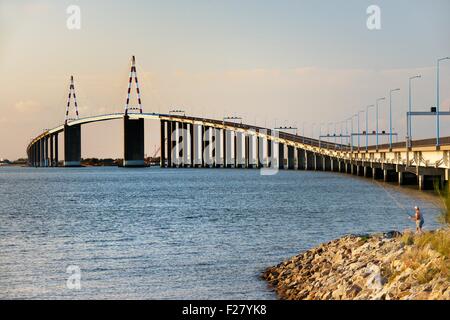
{"points": [[71, 91], [133, 73]]}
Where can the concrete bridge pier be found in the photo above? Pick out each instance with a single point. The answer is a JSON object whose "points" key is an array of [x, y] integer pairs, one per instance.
{"points": [[240, 150], [133, 142], [228, 138], [309, 160], [326, 163], [318, 162], [389, 175], [301, 159], [367, 172], [334, 165], [280, 156], [354, 169], [46, 158], [162, 160], [377, 173], [408, 178], [348, 167], [342, 167], [359, 171], [51, 155], [291, 157], [168, 137], [259, 151], [72, 145], [218, 160], [41, 152]]}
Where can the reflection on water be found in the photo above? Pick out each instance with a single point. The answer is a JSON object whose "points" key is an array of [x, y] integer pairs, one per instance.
{"points": [[178, 233]]}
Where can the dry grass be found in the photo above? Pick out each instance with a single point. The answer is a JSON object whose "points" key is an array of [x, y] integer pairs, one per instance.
{"points": [[438, 240]]}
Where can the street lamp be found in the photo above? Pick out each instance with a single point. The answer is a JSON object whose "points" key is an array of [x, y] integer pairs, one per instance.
{"points": [[349, 141], [378, 100], [390, 116], [437, 101], [409, 131], [359, 131], [367, 126]]}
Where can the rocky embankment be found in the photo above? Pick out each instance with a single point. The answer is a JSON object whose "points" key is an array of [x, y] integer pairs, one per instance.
{"points": [[385, 266]]}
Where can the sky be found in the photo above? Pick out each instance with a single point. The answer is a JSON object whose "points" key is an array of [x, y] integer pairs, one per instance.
{"points": [[288, 63]]}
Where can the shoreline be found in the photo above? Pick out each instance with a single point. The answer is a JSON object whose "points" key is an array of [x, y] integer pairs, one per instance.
{"points": [[383, 266]]}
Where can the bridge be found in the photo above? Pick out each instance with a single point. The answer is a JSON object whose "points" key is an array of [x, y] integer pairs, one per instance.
{"points": [[195, 142]]}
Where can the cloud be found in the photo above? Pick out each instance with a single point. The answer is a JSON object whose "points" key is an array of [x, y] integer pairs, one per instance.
{"points": [[27, 106]]}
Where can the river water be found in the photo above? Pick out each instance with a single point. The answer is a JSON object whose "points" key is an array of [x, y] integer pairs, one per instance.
{"points": [[155, 233]]}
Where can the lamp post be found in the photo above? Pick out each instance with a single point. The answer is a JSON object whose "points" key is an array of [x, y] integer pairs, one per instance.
{"points": [[367, 126], [359, 131], [438, 102], [408, 122], [378, 100], [390, 116], [349, 141]]}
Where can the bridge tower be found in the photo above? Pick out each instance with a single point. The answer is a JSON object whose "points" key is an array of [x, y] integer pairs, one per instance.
{"points": [[133, 129], [72, 133]]}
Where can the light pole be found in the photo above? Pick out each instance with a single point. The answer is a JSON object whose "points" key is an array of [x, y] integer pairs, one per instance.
{"points": [[408, 122], [359, 131], [390, 116], [378, 100], [367, 126], [438, 102], [349, 141]]}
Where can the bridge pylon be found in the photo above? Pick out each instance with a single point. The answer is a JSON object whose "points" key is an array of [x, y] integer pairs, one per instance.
{"points": [[133, 129], [72, 133]]}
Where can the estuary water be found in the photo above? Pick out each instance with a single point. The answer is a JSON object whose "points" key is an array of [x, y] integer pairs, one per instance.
{"points": [[156, 233]]}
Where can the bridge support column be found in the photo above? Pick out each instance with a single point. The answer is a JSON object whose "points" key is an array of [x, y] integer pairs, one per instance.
{"points": [[377, 173], [239, 157], [36, 152], [51, 160], [192, 145], [162, 160], [270, 157], [133, 142], [341, 166], [204, 144], [367, 172], [72, 146], [334, 165], [280, 156], [327, 163], [301, 159], [224, 147], [247, 160], [169, 143], [46, 159], [309, 160], [359, 170], [259, 151], [56, 151], [354, 169], [218, 150], [348, 168], [389, 175], [318, 162], [291, 157]]}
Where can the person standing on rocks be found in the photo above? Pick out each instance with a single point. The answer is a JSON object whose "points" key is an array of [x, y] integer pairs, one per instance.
{"points": [[418, 218]]}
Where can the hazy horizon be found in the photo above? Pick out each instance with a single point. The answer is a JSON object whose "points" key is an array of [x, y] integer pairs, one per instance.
{"points": [[287, 62]]}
